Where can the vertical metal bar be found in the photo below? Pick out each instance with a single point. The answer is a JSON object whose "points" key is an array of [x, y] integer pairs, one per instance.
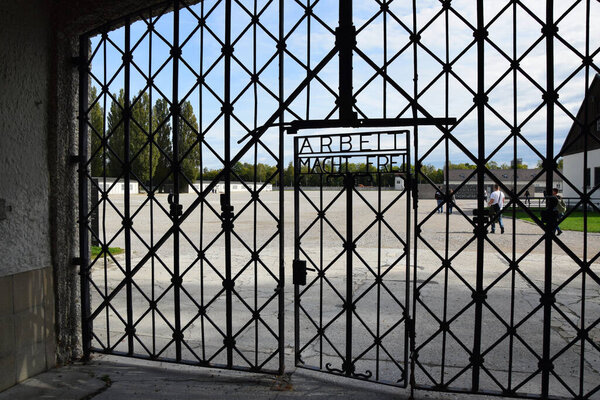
{"points": [[514, 210], [127, 178], [308, 41], [153, 135], [228, 166], [254, 176], [408, 325], [586, 124], [378, 313], [545, 363], [414, 192], [321, 268], [297, 360], [480, 198], [448, 198], [104, 201], [348, 368], [345, 41], [201, 237], [281, 225], [84, 251], [176, 167]]}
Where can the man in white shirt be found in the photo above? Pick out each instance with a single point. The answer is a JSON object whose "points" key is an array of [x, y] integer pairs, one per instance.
{"points": [[496, 204]]}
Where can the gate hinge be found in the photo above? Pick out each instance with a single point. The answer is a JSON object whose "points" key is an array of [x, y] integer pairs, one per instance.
{"points": [[76, 261], [75, 159]]}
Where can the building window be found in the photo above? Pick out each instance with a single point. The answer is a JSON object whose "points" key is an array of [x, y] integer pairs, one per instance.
{"points": [[586, 178], [597, 176]]}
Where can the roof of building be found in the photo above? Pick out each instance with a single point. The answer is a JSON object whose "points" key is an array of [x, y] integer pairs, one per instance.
{"points": [[574, 142], [503, 175]]}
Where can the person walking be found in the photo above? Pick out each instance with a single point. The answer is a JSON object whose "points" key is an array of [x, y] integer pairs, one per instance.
{"points": [[451, 202], [496, 204], [527, 198], [439, 198], [561, 209]]}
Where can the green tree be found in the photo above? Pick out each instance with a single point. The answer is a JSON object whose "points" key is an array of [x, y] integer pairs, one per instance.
{"points": [[142, 165], [162, 125], [189, 153], [139, 148], [492, 165], [96, 116], [116, 136]]}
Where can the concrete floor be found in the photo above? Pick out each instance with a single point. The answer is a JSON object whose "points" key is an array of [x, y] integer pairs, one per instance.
{"points": [[115, 378]]}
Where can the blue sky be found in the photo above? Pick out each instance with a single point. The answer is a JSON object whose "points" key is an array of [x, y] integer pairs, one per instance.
{"points": [[370, 41]]}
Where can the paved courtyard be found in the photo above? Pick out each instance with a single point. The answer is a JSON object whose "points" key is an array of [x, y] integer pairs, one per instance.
{"points": [[511, 335]]}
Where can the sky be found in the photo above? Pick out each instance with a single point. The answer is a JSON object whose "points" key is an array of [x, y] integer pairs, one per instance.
{"points": [[439, 96]]}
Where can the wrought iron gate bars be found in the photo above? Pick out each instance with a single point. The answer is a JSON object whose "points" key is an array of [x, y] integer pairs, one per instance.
{"points": [[550, 100], [175, 207]]}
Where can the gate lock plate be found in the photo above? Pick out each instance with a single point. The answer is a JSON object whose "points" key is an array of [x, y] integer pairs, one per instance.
{"points": [[299, 272]]}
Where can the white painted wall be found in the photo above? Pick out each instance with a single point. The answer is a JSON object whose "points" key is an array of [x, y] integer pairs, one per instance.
{"points": [[235, 187], [24, 178], [399, 183], [573, 170], [119, 187]]}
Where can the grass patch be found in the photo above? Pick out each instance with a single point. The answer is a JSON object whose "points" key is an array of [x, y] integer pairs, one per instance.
{"points": [[574, 222], [96, 250]]}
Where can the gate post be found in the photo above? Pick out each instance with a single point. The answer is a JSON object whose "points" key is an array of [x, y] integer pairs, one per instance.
{"points": [[345, 40], [84, 251]]}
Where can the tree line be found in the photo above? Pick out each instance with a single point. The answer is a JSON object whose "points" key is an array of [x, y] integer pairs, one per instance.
{"points": [[147, 158], [154, 158]]}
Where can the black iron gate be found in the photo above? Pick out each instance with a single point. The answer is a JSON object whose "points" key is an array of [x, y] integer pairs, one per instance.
{"points": [[194, 284], [351, 312]]}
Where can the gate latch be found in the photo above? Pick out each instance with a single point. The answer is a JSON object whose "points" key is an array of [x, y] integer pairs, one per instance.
{"points": [[175, 209], [299, 272]]}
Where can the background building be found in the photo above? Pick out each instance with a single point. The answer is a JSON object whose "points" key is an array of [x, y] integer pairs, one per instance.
{"points": [[582, 174]]}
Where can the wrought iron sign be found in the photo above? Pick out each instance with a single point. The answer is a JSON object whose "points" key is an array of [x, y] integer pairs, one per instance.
{"points": [[382, 152]]}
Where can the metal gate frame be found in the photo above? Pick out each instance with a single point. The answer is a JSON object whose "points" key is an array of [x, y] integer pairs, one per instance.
{"points": [[349, 357], [346, 48]]}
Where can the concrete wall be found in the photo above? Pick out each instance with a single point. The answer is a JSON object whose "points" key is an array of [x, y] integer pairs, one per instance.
{"points": [[573, 171], [27, 340], [24, 181]]}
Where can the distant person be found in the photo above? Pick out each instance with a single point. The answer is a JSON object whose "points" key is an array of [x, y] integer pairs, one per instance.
{"points": [[544, 196], [496, 205], [451, 202], [560, 207], [485, 194], [527, 198], [439, 197]]}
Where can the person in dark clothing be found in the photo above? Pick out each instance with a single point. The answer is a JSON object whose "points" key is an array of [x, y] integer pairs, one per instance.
{"points": [[439, 197], [527, 198], [560, 207], [451, 202]]}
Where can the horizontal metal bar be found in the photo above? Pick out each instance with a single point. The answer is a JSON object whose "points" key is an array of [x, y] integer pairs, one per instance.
{"points": [[363, 133], [366, 123]]}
